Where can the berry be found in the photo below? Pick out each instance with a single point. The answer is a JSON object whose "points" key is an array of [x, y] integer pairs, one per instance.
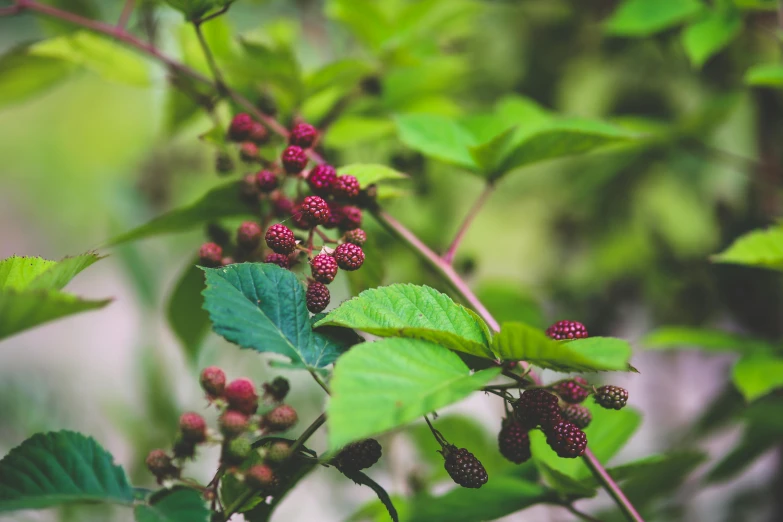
{"points": [[303, 135], [249, 235], [463, 467], [537, 407], [223, 163], [248, 189], [611, 397], [357, 236], [213, 381], [235, 451], [351, 217], [280, 239], [184, 449], [315, 209], [277, 389], [346, 187], [193, 427], [278, 259], [160, 465], [241, 127], [301, 220], [514, 441], [335, 215], [258, 134], [218, 234], [317, 297], [248, 151], [278, 452], [232, 424], [210, 255], [294, 159], [577, 414], [572, 391], [266, 181], [283, 207], [321, 179], [323, 268], [261, 477], [281, 418], [349, 256], [359, 455], [567, 439], [567, 330], [241, 396]]}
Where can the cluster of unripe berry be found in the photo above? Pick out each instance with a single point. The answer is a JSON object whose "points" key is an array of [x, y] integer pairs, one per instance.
{"points": [[335, 203]]}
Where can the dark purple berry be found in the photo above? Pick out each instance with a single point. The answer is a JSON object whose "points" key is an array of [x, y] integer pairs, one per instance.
{"points": [[317, 297], [351, 217], [280, 260], [572, 391], [514, 441], [280, 239], [346, 187], [335, 215], [323, 268], [210, 255], [562, 330], [321, 179], [240, 127], [463, 467], [611, 397], [266, 181], [315, 209], [349, 256], [537, 407], [359, 455], [277, 389], [303, 135], [567, 439], [160, 464], [258, 134], [577, 414], [294, 159], [249, 235], [283, 207], [300, 219]]}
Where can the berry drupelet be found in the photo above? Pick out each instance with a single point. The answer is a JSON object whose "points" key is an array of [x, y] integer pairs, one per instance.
{"points": [[261, 477], [563, 330], [463, 467], [280, 239], [323, 268], [258, 134], [317, 297], [359, 455], [611, 397], [294, 159]]}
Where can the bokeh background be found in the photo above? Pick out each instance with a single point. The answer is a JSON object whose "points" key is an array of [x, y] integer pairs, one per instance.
{"points": [[617, 239]]}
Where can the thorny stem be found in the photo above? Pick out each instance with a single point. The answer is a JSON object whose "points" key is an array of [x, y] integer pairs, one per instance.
{"points": [[127, 10], [448, 257]]}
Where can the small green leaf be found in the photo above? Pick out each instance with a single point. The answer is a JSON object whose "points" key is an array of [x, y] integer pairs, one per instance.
{"points": [[184, 312], [363, 480], [762, 248], [646, 17], [765, 75], [438, 137], [421, 312], [489, 156], [518, 341], [173, 505], [378, 386], [757, 375], [24, 75], [706, 37], [676, 337], [64, 467], [369, 174]]}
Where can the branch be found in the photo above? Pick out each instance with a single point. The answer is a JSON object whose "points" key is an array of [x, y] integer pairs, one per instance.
{"points": [[127, 10], [448, 257], [306, 434], [611, 487], [320, 382], [219, 83]]}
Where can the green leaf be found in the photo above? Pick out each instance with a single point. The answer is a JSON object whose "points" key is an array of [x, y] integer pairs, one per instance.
{"points": [[704, 38], [421, 312], [363, 480], [64, 467], [381, 385], [438, 137], [369, 174], [35, 273], [489, 156], [173, 505], [518, 341], [565, 485], [765, 75], [757, 375], [195, 9], [646, 17], [186, 316], [351, 130], [220, 202], [676, 337], [24, 75], [262, 307], [365, 18], [762, 248], [346, 72]]}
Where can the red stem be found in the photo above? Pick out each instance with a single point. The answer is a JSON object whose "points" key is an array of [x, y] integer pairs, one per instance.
{"points": [[448, 257], [127, 10]]}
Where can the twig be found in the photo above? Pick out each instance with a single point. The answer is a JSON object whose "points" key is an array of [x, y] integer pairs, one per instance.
{"points": [[306, 434], [320, 382], [127, 10], [448, 257], [219, 83], [217, 13], [611, 487]]}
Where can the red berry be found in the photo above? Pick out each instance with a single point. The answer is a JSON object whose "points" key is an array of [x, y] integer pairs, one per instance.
{"points": [[572, 391], [567, 439], [210, 255], [294, 159], [266, 181], [241, 396], [160, 465], [258, 134], [248, 151], [301, 220], [323, 268], [567, 330], [349, 256], [232, 423], [321, 179], [280, 260], [537, 407], [514, 441], [280, 239], [261, 477], [240, 127], [303, 135], [283, 207], [213, 381], [357, 236], [249, 235], [315, 209], [193, 427], [346, 187], [351, 217], [281, 418], [317, 297]]}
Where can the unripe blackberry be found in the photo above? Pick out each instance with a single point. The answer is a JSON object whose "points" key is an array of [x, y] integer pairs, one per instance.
{"points": [[611, 397], [537, 407], [294, 159], [224, 165], [241, 396], [577, 414], [357, 236], [266, 181], [161, 465], [321, 179], [463, 467], [210, 255], [514, 441], [351, 217], [346, 187], [315, 209], [241, 126], [562, 330], [359, 455], [277, 389], [248, 151], [232, 423], [280, 418], [303, 135], [317, 297], [349, 256], [278, 452], [213, 381], [282, 206], [278, 259], [567, 439], [572, 391], [258, 134], [261, 477], [235, 451], [249, 235], [280, 239], [193, 427], [323, 268]]}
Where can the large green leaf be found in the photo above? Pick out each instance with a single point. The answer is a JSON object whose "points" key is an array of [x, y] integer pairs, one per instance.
{"points": [[24, 75], [438, 137], [421, 312], [757, 375], [647, 17], [518, 341], [763, 248], [378, 386], [64, 467], [185, 314], [173, 505], [369, 173], [681, 337], [765, 75], [262, 307], [706, 37], [35, 273]]}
